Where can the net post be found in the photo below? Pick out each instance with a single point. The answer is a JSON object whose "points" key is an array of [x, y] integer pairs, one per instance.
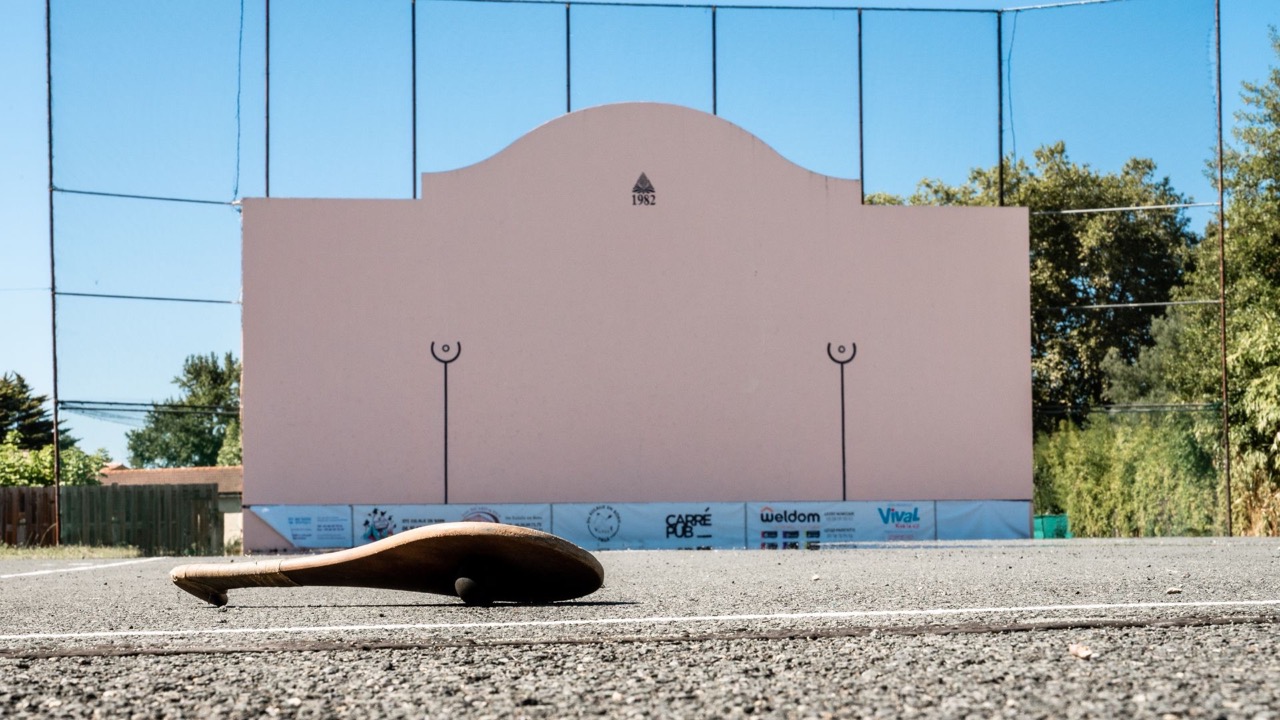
{"points": [[714, 72], [266, 154], [53, 275], [862, 165], [413, 91], [568, 63], [1000, 106], [1222, 264]]}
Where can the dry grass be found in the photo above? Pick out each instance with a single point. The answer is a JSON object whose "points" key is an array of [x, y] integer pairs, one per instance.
{"points": [[66, 552]]}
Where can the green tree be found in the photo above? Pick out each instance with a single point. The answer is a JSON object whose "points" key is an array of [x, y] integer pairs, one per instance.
{"points": [[24, 412], [1085, 259], [192, 429], [1184, 366], [22, 466], [230, 453]]}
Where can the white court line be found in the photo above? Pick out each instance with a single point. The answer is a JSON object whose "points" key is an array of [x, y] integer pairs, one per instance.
{"points": [[79, 568], [660, 620]]}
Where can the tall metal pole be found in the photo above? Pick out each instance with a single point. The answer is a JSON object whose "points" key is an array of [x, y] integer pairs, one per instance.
{"points": [[413, 91], [844, 449], [862, 165], [1222, 266], [568, 65], [445, 360], [715, 91], [53, 277], [266, 155], [1000, 104]]}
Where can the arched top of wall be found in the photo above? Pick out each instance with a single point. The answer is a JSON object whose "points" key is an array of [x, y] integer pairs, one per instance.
{"points": [[632, 129]]}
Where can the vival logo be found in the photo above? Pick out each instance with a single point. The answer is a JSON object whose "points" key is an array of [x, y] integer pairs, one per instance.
{"points": [[899, 517]]}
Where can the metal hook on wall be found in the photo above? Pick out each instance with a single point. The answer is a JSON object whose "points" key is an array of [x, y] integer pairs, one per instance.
{"points": [[840, 352], [457, 351], [445, 360], [852, 350]]}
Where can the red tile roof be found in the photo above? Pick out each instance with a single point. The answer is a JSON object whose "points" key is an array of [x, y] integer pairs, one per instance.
{"points": [[228, 479]]}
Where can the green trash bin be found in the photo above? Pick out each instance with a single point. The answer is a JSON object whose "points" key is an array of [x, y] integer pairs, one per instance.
{"points": [[1050, 527]]}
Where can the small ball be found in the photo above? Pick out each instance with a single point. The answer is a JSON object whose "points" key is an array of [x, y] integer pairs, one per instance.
{"points": [[471, 592]]}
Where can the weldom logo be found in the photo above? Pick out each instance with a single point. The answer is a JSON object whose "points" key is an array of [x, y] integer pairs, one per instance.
{"points": [[643, 193], [686, 525], [769, 515], [900, 517], [603, 522]]}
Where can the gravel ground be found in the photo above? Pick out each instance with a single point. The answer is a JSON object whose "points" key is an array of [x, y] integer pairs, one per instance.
{"points": [[1217, 672], [908, 631]]}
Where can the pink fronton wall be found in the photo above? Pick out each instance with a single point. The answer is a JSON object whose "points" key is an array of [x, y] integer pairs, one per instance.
{"points": [[633, 347]]}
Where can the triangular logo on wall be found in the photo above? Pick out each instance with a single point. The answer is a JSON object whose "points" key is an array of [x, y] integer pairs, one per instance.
{"points": [[643, 185]]}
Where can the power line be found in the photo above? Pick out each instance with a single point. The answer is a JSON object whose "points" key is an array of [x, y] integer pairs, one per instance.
{"points": [[1120, 408], [1130, 208], [137, 414], [1058, 5], [108, 296], [132, 196], [90, 406], [872, 8], [707, 6], [1115, 306]]}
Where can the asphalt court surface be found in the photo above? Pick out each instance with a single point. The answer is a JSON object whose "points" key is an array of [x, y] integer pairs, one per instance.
{"points": [[1080, 628]]}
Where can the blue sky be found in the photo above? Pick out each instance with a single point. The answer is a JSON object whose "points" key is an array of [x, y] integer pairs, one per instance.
{"points": [[146, 101]]}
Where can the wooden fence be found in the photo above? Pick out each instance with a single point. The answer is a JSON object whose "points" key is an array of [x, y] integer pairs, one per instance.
{"points": [[156, 519], [26, 516]]}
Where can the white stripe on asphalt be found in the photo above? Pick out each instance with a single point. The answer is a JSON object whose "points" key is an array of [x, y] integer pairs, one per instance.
{"points": [[78, 568], [659, 620]]}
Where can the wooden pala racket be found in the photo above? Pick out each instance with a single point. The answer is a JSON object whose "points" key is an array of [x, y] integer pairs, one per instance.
{"points": [[476, 561]]}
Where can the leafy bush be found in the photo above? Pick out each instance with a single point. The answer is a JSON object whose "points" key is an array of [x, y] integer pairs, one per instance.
{"points": [[1127, 475], [19, 466]]}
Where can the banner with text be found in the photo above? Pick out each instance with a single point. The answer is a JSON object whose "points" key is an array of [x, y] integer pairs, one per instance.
{"points": [[650, 526], [309, 526], [812, 525], [610, 526], [374, 522]]}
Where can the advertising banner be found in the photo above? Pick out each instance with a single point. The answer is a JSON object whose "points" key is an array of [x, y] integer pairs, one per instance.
{"points": [[890, 521], [650, 526], [374, 522], [800, 525], [673, 526], [309, 526], [813, 525], [984, 519]]}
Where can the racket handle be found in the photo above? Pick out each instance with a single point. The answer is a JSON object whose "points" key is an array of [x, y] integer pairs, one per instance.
{"points": [[211, 581]]}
